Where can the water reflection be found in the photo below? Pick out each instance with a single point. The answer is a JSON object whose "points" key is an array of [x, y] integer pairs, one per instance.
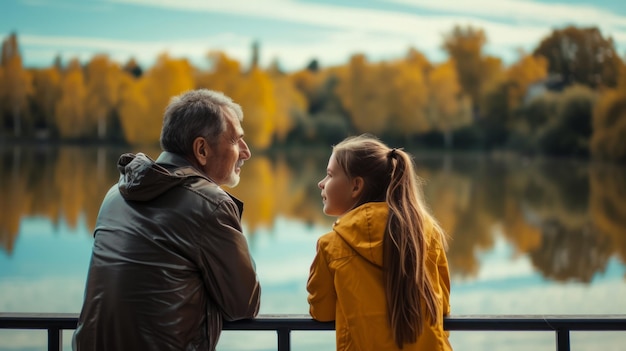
{"points": [[568, 217]]}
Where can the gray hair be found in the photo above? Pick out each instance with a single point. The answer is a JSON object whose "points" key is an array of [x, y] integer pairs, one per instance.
{"points": [[195, 113]]}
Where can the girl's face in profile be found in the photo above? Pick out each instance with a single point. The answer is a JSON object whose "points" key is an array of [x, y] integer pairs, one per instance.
{"points": [[337, 190]]}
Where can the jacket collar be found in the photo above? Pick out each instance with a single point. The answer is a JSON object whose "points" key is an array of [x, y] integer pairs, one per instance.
{"points": [[174, 161], [180, 166]]}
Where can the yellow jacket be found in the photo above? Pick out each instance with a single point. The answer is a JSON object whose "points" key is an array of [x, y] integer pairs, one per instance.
{"points": [[346, 284]]}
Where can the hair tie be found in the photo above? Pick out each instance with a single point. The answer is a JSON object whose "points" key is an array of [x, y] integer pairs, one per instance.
{"points": [[392, 153]]}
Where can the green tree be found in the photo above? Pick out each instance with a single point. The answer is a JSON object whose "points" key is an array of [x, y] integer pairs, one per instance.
{"points": [[569, 133], [131, 66], [530, 120], [47, 91], [609, 127], [581, 55], [325, 119], [16, 85], [538, 112]]}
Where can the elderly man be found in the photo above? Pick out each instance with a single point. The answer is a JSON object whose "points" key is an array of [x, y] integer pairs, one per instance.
{"points": [[169, 260]]}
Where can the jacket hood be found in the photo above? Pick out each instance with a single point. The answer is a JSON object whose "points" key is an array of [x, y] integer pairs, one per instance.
{"points": [[142, 179], [363, 229]]}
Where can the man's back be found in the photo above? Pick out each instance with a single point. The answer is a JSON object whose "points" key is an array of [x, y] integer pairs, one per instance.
{"points": [[160, 276]]}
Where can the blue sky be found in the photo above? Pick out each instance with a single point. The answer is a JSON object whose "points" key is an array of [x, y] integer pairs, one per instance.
{"points": [[292, 31]]}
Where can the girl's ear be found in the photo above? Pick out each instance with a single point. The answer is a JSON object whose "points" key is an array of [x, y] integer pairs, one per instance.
{"points": [[357, 186], [201, 150]]}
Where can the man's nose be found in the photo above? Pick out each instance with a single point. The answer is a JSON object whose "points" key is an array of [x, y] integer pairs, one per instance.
{"points": [[245, 150]]}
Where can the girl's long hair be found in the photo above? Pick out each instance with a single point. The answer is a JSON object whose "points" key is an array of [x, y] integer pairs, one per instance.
{"points": [[389, 176]]}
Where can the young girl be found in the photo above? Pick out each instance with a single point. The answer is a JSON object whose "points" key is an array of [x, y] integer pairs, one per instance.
{"points": [[381, 274]]}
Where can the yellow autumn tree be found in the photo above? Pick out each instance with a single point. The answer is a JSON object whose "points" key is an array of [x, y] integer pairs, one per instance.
{"points": [[167, 78], [290, 103], [142, 118], [103, 78], [254, 91], [224, 75], [133, 107], [529, 69], [448, 108], [308, 83], [361, 95], [70, 109], [406, 91], [256, 97], [444, 92]]}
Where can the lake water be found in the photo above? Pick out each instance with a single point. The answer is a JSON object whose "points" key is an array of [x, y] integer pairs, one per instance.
{"points": [[528, 236]]}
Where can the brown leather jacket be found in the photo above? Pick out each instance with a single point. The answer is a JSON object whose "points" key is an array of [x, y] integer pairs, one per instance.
{"points": [[169, 261]]}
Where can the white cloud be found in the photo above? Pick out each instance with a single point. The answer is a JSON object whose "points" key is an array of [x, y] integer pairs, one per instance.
{"points": [[520, 10], [394, 21], [524, 19], [43, 48], [348, 19]]}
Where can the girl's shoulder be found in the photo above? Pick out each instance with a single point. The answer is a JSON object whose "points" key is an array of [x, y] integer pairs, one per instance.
{"points": [[334, 246]]}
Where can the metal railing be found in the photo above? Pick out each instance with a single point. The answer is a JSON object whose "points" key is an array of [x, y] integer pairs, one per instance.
{"points": [[562, 325]]}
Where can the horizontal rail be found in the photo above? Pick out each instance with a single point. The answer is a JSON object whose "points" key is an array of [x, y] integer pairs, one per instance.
{"points": [[283, 324]]}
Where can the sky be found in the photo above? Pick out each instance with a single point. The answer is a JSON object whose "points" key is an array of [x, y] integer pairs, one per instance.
{"points": [[293, 32]]}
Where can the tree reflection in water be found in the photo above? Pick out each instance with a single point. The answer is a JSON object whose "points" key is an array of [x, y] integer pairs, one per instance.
{"points": [[568, 217]]}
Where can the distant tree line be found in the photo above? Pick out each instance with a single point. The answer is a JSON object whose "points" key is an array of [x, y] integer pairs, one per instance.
{"points": [[566, 98]]}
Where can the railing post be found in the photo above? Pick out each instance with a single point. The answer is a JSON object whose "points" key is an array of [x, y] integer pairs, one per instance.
{"points": [[562, 340], [284, 339], [55, 339]]}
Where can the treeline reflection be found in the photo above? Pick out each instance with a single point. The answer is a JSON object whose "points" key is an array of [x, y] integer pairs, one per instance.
{"points": [[568, 217]]}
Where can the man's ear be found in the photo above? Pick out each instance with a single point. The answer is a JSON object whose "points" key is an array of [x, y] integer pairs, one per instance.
{"points": [[201, 150], [357, 186]]}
